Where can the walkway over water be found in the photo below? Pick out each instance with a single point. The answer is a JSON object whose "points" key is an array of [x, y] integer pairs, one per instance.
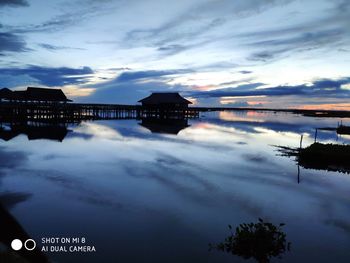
{"points": [[78, 111], [71, 112]]}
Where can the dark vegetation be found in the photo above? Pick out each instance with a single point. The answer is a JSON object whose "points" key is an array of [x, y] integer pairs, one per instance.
{"points": [[331, 157], [261, 241], [342, 129]]}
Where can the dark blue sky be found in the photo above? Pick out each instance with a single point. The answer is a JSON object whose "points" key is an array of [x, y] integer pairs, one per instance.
{"points": [[269, 53]]}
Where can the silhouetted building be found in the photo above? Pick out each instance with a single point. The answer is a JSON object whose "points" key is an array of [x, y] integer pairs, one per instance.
{"points": [[42, 94], [34, 94], [165, 100], [19, 95], [5, 94]]}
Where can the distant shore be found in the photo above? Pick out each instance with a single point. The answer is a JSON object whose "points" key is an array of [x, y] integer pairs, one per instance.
{"points": [[130, 107], [310, 113]]}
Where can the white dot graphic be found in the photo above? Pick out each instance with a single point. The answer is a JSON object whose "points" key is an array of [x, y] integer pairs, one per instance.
{"points": [[16, 244]]}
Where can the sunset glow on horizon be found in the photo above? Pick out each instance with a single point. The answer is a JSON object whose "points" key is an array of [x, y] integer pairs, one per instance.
{"points": [[246, 53]]}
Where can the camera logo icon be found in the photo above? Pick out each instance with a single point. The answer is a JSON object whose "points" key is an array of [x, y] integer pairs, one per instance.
{"points": [[17, 244]]}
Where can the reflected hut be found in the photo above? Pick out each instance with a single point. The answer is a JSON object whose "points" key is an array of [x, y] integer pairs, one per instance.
{"points": [[36, 131], [165, 126], [165, 105], [8, 135]]}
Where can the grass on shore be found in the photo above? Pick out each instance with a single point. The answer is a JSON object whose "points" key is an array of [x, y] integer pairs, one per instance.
{"points": [[334, 157], [331, 157]]}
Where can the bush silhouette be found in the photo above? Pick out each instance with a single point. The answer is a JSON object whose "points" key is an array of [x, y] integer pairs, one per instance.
{"points": [[260, 240]]}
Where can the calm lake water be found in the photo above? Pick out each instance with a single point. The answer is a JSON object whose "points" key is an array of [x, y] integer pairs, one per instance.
{"points": [[143, 196]]}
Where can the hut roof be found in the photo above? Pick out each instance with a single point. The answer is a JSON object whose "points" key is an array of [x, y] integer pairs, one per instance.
{"points": [[33, 93], [166, 97], [19, 95], [5, 93], [43, 94]]}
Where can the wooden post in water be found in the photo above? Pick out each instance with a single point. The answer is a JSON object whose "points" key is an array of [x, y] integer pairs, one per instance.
{"points": [[316, 134], [300, 147]]}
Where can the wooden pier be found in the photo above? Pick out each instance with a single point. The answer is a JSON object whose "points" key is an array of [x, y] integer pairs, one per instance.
{"points": [[72, 112]]}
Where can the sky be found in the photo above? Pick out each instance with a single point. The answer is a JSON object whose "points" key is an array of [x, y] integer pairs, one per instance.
{"points": [[231, 53]]}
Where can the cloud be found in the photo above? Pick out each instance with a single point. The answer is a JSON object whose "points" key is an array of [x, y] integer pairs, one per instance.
{"points": [[238, 82], [129, 87], [53, 25], [327, 29], [237, 104], [266, 55], [125, 92], [319, 88], [196, 24], [11, 159], [13, 3], [174, 48], [175, 30], [245, 71], [79, 13], [11, 43], [55, 48], [301, 42], [148, 74], [51, 76], [304, 39], [220, 41], [219, 65]]}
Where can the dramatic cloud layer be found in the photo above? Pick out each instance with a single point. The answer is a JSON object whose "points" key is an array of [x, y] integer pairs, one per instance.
{"points": [[132, 86], [11, 43], [319, 88], [146, 75], [51, 76], [13, 3], [274, 53]]}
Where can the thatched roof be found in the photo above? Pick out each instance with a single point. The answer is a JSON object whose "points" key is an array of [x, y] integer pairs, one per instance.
{"points": [[43, 94], [34, 94], [19, 95], [165, 98], [5, 93]]}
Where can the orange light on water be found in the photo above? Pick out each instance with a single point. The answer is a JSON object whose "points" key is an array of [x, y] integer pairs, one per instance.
{"points": [[330, 106]]}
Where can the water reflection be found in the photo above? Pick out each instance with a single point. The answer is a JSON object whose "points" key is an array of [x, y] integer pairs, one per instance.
{"points": [[167, 126], [261, 241], [10, 229], [34, 131], [253, 122], [119, 182]]}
